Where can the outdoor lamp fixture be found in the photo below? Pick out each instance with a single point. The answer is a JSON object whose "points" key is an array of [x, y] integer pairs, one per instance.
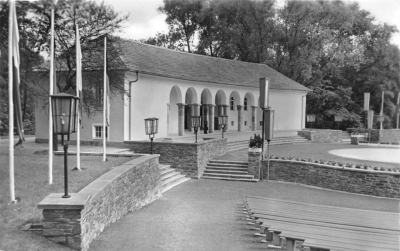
{"points": [[195, 124], [380, 118], [222, 121], [338, 119], [65, 121], [151, 126], [311, 119]]}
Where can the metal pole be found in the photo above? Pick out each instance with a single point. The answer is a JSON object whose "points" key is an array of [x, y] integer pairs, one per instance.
{"points": [[11, 104], [66, 195], [268, 161], [195, 130], [262, 146], [151, 139]]}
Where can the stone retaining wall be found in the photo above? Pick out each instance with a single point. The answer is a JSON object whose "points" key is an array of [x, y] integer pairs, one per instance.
{"points": [[189, 158], [77, 221], [371, 182], [385, 135], [322, 136]]}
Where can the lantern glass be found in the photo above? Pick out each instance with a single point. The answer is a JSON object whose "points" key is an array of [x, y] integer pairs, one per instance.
{"points": [[195, 121], [220, 120], [338, 118], [224, 120], [65, 113], [311, 118], [155, 125], [380, 118], [148, 123]]}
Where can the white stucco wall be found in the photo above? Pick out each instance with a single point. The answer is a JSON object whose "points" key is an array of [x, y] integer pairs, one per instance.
{"points": [[116, 128], [151, 96]]}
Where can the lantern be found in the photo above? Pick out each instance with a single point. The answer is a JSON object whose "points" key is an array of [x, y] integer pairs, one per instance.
{"points": [[196, 123], [65, 113], [222, 121], [151, 126]]}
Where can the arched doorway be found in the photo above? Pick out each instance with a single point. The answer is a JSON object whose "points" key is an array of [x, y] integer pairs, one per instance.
{"points": [[190, 99], [175, 97], [206, 100], [220, 101]]}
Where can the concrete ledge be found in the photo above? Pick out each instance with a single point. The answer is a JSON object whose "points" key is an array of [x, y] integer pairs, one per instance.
{"points": [[55, 201]]}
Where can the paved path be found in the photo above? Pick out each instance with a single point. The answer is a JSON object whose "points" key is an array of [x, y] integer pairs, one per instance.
{"points": [[207, 215]]}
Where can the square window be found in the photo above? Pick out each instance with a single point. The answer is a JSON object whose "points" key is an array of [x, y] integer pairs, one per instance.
{"points": [[98, 132]]}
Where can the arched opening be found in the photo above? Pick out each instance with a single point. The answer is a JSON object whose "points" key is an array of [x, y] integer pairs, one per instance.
{"points": [[190, 99], [175, 97], [233, 120], [206, 99], [249, 122], [220, 100]]}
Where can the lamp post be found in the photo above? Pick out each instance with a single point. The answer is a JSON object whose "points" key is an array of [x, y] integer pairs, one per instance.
{"points": [[65, 121], [311, 119], [222, 120], [338, 119], [151, 126], [195, 124], [380, 119]]}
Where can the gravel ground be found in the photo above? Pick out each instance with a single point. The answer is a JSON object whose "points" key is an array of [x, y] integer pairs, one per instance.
{"points": [[207, 215]]}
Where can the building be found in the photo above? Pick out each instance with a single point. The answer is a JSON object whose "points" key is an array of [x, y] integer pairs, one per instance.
{"points": [[174, 85]]}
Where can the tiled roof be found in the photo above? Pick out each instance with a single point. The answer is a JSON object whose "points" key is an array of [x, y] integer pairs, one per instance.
{"points": [[168, 63]]}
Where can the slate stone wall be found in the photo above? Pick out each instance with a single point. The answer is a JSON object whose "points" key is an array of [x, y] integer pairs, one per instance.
{"points": [[322, 136], [189, 158], [385, 135], [77, 221], [376, 183], [254, 159]]}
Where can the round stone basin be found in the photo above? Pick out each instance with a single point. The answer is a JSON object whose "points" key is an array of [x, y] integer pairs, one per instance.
{"points": [[371, 154]]}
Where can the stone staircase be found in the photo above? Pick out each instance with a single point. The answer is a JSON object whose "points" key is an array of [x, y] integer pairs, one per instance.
{"points": [[346, 137], [170, 178], [244, 144], [228, 170]]}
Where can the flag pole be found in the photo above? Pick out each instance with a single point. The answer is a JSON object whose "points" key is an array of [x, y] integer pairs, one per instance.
{"points": [[381, 114], [104, 98], [51, 92], [78, 83], [10, 101]]}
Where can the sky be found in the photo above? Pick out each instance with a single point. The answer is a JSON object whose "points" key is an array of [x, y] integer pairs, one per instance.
{"points": [[145, 21]]}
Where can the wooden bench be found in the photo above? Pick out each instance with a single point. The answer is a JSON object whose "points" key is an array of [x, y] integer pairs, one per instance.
{"points": [[324, 227]]}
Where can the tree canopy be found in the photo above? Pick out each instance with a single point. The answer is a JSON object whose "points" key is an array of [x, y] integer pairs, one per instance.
{"points": [[334, 48], [95, 20]]}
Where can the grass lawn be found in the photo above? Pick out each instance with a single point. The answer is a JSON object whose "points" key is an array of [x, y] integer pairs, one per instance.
{"points": [[313, 150], [31, 186]]}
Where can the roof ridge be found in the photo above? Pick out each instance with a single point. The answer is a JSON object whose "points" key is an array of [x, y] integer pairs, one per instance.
{"points": [[194, 54]]}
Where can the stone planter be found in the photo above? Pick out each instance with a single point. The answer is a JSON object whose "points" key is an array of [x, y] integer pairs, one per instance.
{"points": [[255, 150], [355, 139]]}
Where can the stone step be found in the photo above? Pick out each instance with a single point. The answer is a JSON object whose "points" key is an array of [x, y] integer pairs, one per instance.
{"points": [[217, 171], [174, 183], [172, 178], [163, 166], [228, 163], [230, 179], [166, 170], [239, 176], [169, 174], [242, 169]]}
